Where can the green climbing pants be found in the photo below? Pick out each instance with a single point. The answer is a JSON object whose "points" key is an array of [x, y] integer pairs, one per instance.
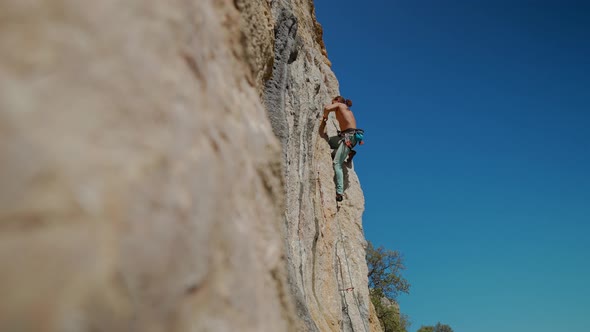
{"points": [[342, 152]]}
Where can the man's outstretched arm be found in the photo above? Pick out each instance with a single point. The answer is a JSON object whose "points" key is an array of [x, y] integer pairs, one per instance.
{"points": [[322, 130], [330, 108]]}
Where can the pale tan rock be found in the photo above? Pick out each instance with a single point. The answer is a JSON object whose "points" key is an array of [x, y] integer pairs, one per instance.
{"points": [[325, 243], [142, 188], [257, 39], [141, 182]]}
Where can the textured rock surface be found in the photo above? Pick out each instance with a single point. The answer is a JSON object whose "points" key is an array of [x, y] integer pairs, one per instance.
{"points": [[325, 243], [141, 182], [142, 186], [257, 39]]}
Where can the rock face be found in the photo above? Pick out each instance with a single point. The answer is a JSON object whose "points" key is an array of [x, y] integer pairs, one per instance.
{"points": [[325, 242], [142, 185], [141, 181]]}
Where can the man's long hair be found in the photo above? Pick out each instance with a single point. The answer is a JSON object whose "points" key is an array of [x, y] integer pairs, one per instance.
{"points": [[341, 99]]}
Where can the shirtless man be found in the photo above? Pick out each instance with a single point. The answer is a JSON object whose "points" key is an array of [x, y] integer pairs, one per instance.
{"points": [[346, 139]]}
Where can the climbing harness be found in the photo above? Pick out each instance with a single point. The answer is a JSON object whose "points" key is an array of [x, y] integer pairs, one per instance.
{"points": [[348, 135]]}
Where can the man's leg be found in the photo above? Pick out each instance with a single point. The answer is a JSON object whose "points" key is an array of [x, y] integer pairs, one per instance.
{"points": [[334, 142], [341, 154], [350, 156]]}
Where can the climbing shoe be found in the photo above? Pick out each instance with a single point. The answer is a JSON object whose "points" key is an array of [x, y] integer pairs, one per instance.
{"points": [[339, 197]]}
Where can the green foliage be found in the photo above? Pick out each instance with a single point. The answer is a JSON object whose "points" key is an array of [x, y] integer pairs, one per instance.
{"points": [[385, 283], [426, 329], [385, 268], [442, 328], [388, 314], [437, 328]]}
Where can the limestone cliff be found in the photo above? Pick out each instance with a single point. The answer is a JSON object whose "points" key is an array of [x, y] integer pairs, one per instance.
{"points": [[142, 184], [325, 242]]}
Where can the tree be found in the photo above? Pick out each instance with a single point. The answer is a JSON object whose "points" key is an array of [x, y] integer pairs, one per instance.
{"points": [[390, 318], [442, 328], [426, 329], [385, 283], [437, 328], [385, 268]]}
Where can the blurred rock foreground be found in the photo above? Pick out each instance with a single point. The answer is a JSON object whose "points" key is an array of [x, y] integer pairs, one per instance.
{"points": [[161, 170]]}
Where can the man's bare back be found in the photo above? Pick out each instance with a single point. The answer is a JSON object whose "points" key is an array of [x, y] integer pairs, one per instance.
{"points": [[345, 117]]}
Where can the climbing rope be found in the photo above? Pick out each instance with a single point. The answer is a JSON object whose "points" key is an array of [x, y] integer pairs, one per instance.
{"points": [[354, 294], [343, 302], [341, 240]]}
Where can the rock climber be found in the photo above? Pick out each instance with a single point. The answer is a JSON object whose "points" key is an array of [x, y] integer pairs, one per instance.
{"points": [[345, 141]]}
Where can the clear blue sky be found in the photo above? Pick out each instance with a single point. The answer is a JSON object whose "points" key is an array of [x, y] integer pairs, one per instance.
{"points": [[477, 157]]}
